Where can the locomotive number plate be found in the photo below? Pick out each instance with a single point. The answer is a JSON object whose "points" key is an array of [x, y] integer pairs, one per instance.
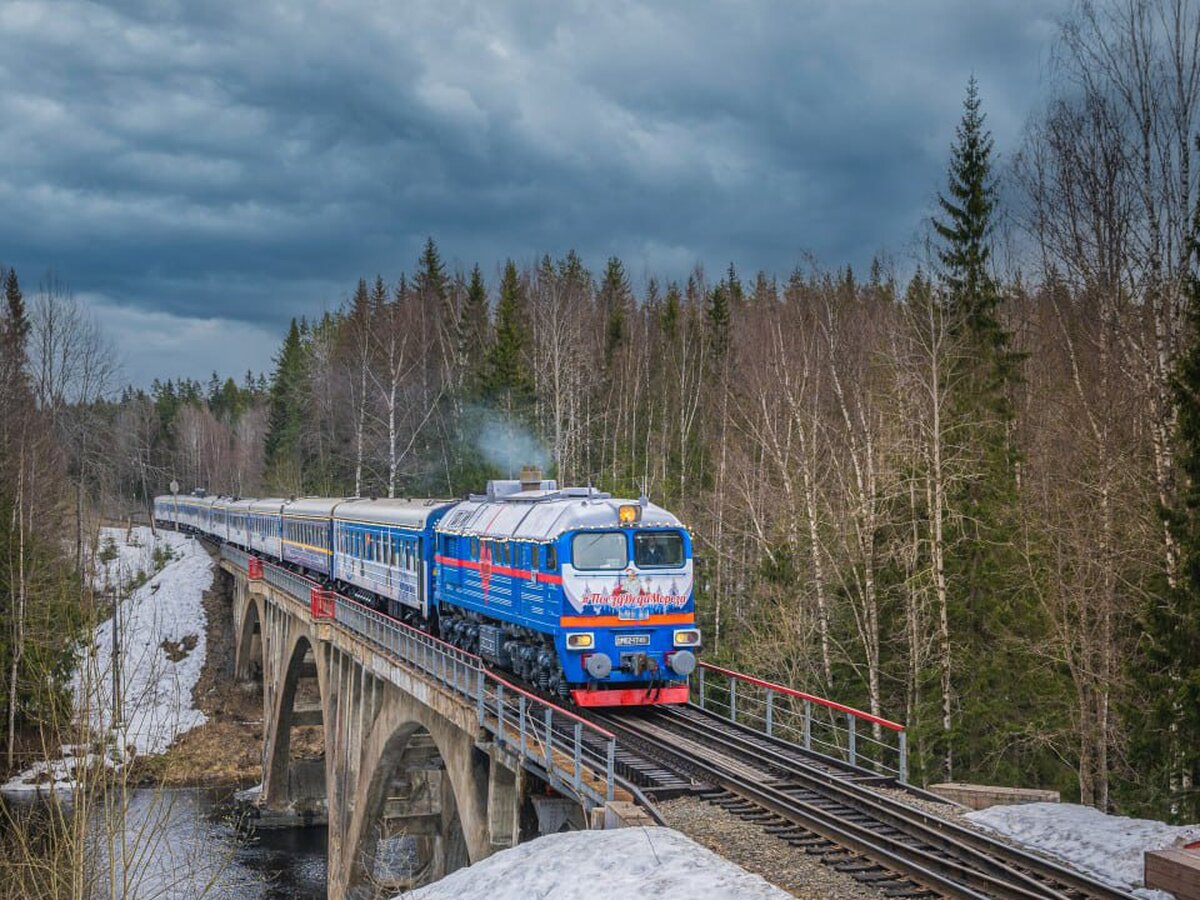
{"points": [[632, 640]]}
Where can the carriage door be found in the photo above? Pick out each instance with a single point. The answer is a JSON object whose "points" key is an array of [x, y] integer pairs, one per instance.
{"points": [[451, 572]]}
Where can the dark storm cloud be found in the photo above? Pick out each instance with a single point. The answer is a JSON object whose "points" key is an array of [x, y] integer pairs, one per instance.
{"points": [[229, 162]]}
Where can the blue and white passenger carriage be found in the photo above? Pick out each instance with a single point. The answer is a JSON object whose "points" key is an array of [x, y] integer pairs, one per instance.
{"points": [[306, 529], [266, 527], [382, 548]]}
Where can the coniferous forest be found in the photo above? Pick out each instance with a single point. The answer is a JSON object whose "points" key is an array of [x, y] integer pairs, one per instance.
{"points": [[960, 488]]}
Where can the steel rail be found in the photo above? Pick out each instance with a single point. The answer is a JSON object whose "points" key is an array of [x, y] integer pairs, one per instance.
{"points": [[921, 867], [897, 814], [958, 867]]}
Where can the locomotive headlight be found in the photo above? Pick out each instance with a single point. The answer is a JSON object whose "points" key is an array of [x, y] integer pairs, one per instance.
{"points": [[580, 640], [629, 513], [687, 637]]}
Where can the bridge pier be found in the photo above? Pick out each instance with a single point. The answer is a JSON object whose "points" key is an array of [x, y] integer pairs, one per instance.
{"points": [[398, 764]]}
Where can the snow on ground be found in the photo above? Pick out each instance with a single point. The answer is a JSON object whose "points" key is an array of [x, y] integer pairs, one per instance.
{"points": [[1107, 847], [162, 645], [624, 862]]}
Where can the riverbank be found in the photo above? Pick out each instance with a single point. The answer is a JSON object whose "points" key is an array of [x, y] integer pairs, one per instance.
{"points": [[183, 720], [226, 750]]}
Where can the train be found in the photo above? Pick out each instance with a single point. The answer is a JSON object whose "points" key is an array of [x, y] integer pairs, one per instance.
{"points": [[585, 596]]}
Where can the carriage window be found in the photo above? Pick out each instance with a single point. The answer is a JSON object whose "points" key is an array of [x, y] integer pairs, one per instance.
{"points": [[551, 557], [533, 557], [602, 550], [658, 549]]}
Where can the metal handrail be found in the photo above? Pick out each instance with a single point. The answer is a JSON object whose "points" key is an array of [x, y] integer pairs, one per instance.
{"points": [[760, 710], [553, 733], [562, 744]]}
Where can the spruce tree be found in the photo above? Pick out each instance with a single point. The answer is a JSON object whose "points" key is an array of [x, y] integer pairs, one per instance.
{"points": [[508, 382], [431, 279], [285, 420], [614, 299], [18, 319], [719, 316], [993, 623], [474, 328], [360, 306], [671, 311], [966, 228], [379, 296]]}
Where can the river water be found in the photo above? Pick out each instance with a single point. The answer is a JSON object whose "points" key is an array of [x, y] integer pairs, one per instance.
{"points": [[187, 843]]}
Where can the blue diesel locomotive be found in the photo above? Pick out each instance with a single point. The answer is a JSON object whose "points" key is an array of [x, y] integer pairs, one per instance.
{"points": [[587, 596]]}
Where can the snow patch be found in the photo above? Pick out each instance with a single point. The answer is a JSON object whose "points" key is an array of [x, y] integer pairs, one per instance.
{"points": [[161, 650], [54, 776], [1107, 847], [628, 862]]}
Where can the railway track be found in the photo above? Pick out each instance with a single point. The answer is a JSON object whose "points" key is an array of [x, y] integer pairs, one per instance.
{"points": [[826, 810]]}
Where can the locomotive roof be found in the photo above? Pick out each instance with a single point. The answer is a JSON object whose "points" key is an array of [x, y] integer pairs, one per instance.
{"points": [[406, 513], [544, 515]]}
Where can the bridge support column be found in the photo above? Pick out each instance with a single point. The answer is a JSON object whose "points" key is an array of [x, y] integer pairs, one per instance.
{"points": [[294, 699], [506, 789]]}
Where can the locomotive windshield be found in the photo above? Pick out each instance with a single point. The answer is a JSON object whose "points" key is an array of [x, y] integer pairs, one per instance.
{"points": [[599, 550], [658, 549]]}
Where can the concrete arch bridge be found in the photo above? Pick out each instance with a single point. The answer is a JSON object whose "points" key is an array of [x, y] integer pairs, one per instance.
{"points": [[419, 759]]}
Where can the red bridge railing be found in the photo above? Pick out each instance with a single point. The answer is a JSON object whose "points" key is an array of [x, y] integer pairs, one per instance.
{"points": [[814, 723]]}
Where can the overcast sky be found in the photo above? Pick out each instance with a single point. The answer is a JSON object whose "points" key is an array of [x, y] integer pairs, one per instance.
{"points": [[202, 171]]}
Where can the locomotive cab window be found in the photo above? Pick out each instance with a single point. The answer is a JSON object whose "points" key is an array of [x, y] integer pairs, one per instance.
{"points": [[658, 549], [601, 550]]}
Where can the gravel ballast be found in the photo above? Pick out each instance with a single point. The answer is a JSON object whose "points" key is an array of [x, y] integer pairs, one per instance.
{"points": [[756, 851]]}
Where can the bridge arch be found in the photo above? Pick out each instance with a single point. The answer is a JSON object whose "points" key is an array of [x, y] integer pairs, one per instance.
{"points": [[418, 777], [248, 649], [410, 831], [300, 701]]}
